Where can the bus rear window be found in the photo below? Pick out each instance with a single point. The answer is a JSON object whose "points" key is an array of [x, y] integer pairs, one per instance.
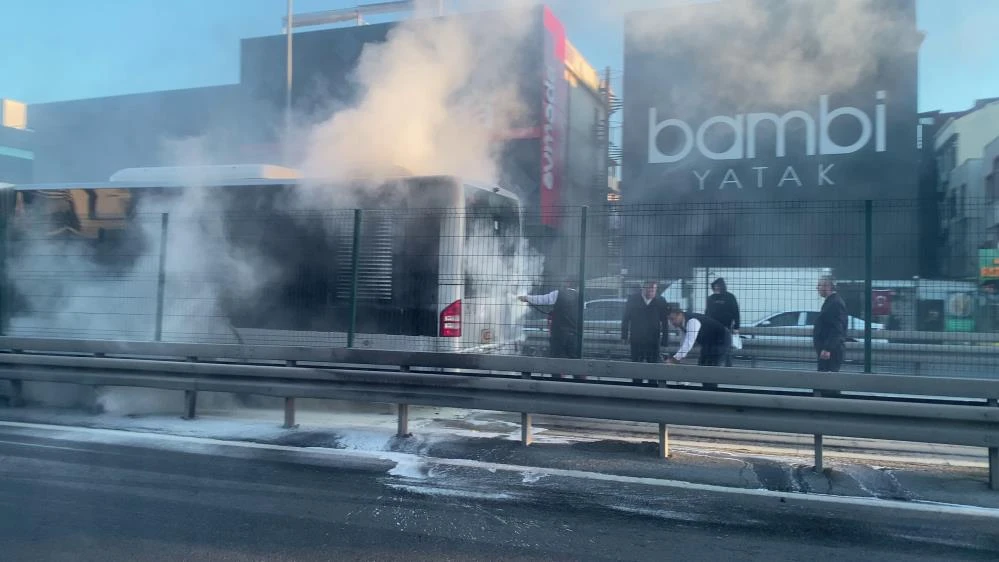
{"points": [[310, 254], [492, 241]]}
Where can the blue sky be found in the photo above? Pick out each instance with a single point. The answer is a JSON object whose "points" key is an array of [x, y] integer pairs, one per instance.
{"points": [[68, 49]]}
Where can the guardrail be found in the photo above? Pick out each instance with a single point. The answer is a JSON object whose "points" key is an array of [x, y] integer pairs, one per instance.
{"points": [[958, 411], [806, 332], [978, 352]]}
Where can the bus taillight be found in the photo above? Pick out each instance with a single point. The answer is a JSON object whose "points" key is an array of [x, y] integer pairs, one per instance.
{"points": [[451, 320]]}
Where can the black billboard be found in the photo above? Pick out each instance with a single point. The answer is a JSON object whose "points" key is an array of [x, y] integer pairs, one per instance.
{"points": [[770, 103]]}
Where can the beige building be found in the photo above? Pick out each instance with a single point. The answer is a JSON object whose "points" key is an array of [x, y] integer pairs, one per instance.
{"points": [[967, 213]]}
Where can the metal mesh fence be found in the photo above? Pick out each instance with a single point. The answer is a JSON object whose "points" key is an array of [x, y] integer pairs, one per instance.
{"points": [[447, 280]]}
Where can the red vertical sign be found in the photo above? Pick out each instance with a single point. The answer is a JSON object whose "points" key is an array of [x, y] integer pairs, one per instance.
{"points": [[554, 102]]}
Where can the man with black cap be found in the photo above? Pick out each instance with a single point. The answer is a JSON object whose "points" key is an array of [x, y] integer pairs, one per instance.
{"points": [[564, 301], [723, 307]]}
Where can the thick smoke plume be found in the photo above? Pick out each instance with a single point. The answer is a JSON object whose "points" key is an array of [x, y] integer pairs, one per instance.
{"points": [[432, 100], [432, 97], [781, 55]]}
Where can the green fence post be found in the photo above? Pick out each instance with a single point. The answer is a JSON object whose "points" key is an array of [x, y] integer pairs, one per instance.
{"points": [[8, 203], [354, 261], [161, 276], [582, 277], [868, 280]]}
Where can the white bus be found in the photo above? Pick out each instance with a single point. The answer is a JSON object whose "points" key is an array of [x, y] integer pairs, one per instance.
{"points": [[256, 254]]}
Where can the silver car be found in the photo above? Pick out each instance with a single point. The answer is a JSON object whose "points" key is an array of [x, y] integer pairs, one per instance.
{"points": [[799, 324]]}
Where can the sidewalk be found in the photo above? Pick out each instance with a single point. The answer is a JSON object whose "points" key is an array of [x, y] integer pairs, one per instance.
{"points": [[778, 462]]}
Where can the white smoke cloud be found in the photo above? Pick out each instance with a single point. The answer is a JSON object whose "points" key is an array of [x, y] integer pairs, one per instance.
{"points": [[498, 268], [785, 55], [432, 96], [201, 260]]}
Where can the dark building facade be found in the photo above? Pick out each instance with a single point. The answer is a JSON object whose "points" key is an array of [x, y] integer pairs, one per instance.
{"points": [[90, 139], [17, 143], [760, 137]]}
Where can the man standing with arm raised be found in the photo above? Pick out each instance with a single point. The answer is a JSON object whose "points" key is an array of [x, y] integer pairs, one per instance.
{"points": [[564, 316]]}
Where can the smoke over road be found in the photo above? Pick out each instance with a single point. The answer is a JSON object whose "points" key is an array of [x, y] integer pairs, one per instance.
{"points": [[432, 100]]}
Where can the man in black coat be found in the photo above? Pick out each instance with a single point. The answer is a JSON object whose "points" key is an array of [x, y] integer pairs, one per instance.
{"points": [[829, 334], [645, 324], [723, 307]]}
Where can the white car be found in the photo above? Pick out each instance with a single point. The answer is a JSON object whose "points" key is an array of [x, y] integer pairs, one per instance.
{"points": [[600, 316], [803, 321]]}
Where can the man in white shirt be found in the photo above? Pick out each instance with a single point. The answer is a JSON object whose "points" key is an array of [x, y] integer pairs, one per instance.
{"points": [[700, 330]]}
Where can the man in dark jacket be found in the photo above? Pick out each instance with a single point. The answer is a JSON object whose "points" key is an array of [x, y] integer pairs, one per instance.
{"points": [[563, 339], [723, 307], [700, 330], [645, 324], [829, 334]]}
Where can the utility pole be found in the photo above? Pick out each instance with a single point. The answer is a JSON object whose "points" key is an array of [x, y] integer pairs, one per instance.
{"points": [[287, 90]]}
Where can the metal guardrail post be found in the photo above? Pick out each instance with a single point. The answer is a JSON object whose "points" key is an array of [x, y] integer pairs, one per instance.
{"points": [[403, 426], [993, 457], [818, 442], [16, 393], [868, 281], [191, 398], [289, 404], [355, 256], [526, 436], [190, 404], [818, 453], [663, 430], [161, 276], [663, 441], [289, 413], [584, 210], [403, 429]]}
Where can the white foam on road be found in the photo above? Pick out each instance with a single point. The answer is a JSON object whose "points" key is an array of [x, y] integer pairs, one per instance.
{"points": [[533, 477], [206, 445], [409, 466], [668, 514], [454, 492]]}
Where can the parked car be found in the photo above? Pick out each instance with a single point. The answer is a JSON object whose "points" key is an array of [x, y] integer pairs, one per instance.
{"points": [[794, 321], [599, 316], [601, 329]]}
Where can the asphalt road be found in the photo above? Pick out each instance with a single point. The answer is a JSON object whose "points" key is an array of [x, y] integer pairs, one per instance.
{"points": [[75, 495]]}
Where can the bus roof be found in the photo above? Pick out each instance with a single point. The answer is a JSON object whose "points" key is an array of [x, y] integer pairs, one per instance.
{"points": [[223, 175]]}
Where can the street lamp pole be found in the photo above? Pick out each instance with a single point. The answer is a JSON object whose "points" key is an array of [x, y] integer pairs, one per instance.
{"points": [[287, 90]]}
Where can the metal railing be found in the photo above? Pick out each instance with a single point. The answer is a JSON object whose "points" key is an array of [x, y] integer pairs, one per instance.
{"points": [[929, 409], [320, 278]]}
